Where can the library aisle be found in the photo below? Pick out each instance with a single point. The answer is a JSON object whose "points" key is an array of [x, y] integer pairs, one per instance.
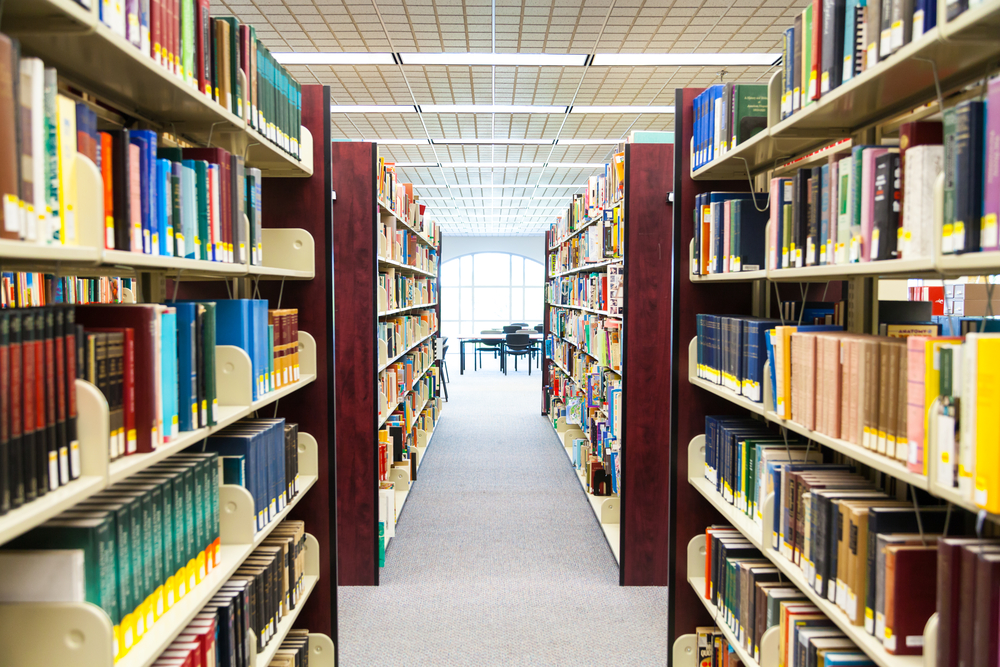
{"points": [[497, 558]]}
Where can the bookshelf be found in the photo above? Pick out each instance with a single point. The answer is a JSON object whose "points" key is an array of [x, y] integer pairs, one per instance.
{"points": [[385, 249], [863, 111], [628, 519], [100, 67]]}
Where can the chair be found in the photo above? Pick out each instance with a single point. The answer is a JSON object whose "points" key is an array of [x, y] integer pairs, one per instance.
{"points": [[523, 325], [441, 350], [511, 328], [540, 328], [489, 346], [518, 345]]}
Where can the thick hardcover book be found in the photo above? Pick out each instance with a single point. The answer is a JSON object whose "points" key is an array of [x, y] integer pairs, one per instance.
{"points": [[850, 53], [873, 33], [800, 218], [797, 91], [832, 62], [919, 133], [142, 320], [968, 175], [985, 635], [990, 233], [816, 53], [749, 115], [814, 217], [10, 217], [886, 209], [910, 591]]}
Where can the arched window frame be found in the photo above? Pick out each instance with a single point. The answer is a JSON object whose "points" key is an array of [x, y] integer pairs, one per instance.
{"points": [[460, 294]]}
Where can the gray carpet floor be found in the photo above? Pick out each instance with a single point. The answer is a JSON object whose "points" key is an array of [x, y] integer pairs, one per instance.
{"points": [[498, 558]]}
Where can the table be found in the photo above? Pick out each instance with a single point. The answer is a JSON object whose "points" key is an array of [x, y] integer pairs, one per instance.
{"points": [[501, 338]]}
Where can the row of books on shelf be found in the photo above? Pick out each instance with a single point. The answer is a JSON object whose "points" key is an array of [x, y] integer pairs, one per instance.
{"points": [[591, 412], [889, 394], [857, 545], [597, 290], [404, 246], [398, 377], [600, 471], [23, 289], [833, 41], [601, 241], [866, 204], [399, 437], [400, 332], [208, 54], [208, 640], [968, 301], [400, 200], [135, 549], [604, 192], [598, 337], [726, 115], [159, 199], [578, 363], [247, 609], [404, 291], [404, 405]]}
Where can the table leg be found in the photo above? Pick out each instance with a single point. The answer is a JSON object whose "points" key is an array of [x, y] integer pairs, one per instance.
{"points": [[461, 357]]}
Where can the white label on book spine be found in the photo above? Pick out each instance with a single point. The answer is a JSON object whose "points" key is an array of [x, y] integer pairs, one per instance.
{"points": [[918, 24], [74, 459], [11, 214]]}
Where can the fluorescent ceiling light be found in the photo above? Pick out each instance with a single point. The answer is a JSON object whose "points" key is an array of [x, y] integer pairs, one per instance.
{"points": [[491, 165], [680, 59], [490, 108], [575, 165], [372, 108], [622, 109], [522, 185], [586, 142], [333, 58], [415, 164], [492, 142], [400, 142], [497, 59]]}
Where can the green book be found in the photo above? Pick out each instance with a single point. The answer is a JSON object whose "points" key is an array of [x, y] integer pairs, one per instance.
{"points": [[233, 470], [170, 539], [96, 538], [210, 406], [749, 111], [253, 82], [236, 92], [151, 499], [786, 232], [124, 570], [206, 466], [381, 544], [188, 43], [950, 122], [201, 235]]}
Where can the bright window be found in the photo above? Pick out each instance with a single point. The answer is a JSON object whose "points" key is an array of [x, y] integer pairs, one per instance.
{"points": [[489, 290]]}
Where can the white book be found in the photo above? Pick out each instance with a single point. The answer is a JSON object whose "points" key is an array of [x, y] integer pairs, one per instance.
{"points": [[113, 15], [923, 164], [215, 243], [45, 575], [33, 92]]}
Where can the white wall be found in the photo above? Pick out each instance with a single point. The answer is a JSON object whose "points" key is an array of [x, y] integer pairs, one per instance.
{"points": [[528, 246]]}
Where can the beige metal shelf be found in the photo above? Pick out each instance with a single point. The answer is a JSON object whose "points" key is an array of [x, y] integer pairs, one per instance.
{"points": [[607, 509], [386, 212], [576, 232], [586, 267]]}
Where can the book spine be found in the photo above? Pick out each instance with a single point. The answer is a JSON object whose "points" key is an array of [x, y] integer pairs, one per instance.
{"points": [[989, 236]]}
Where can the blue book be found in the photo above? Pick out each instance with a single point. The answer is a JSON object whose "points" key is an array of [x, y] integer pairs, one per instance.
{"points": [[259, 341], [769, 342], [851, 38], [234, 326], [750, 242], [227, 443], [168, 347], [164, 202], [176, 210], [149, 199], [847, 659], [187, 368]]}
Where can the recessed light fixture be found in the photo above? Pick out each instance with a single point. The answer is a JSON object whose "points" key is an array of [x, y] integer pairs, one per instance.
{"points": [[492, 165], [495, 59], [416, 164], [490, 108], [372, 108], [622, 109], [575, 165], [332, 58], [684, 59]]}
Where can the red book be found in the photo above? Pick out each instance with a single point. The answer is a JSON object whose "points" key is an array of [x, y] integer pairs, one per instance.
{"points": [[42, 446], [177, 37], [141, 318], [156, 29], [28, 448], [219, 157], [816, 68], [5, 408], [69, 345], [16, 394], [203, 45], [984, 648], [50, 399], [107, 175]]}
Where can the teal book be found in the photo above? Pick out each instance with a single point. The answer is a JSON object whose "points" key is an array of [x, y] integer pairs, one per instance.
{"points": [[171, 485], [168, 348], [233, 470], [125, 575]]}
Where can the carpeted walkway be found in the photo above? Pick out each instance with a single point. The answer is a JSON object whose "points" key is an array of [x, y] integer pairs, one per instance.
{"points": [[498, 558]]}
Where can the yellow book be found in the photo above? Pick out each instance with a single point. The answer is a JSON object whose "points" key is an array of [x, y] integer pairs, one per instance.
{"points": [[783, 354], [987, 438], [66, 164], [932, 381]]}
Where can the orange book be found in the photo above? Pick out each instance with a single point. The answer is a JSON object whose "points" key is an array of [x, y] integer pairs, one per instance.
{"points": [[106, 175]]}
